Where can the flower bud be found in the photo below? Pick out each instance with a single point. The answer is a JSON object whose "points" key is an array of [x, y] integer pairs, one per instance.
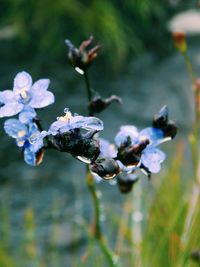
{"points": [[130, 155], [105, 168], [85, 149], [161, 122], [179, 41], [98, 104], [124, 183]]}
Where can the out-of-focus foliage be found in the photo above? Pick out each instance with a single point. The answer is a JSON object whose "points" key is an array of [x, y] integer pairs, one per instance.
{"points": [[124, 26]]}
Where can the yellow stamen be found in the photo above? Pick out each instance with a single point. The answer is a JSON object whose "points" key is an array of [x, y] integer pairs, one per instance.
{"points": [[20, 143], [68, 116], [21, 133]]}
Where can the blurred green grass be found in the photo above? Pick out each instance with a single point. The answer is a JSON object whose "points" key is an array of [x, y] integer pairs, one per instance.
{"points": [[164, 208], [36, 29]]}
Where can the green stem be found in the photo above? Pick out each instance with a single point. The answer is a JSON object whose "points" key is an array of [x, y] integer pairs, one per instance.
{"points": [[109, 255], [189, 67], [97, 226], [88, 87]]}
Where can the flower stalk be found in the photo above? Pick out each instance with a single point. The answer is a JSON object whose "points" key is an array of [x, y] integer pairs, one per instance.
{"points": [[97, 231]]}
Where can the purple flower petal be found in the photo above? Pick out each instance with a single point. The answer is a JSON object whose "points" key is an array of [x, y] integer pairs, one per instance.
{"points": [[125, 132], [154, 135], [7, 96], [76, 122], [29, 156], [22, 81], [40, 85], [87, 123], [107, 150], [152, 158], [41, 99], [10, 109], [35, 138], [27, 115], [56, 126], [14, 128]]}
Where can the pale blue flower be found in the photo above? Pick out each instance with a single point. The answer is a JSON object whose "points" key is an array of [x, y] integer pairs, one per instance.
{"points": [[150, 158], [127, 131], [25, 97], [154, 135], [70, 122], [27, 137]]}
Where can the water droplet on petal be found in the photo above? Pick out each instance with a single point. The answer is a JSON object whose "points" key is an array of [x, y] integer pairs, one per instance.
{"points": [[66, 110]]}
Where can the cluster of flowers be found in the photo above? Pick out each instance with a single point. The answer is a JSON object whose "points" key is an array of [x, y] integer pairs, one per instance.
{"points": [[133, 151], [64, 134]]}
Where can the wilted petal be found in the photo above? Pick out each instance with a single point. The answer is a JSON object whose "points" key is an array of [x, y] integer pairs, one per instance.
{"points": [[40, 85], [14, 128], [56, 126], [125, 132], [41, 98], [22, 81], [29, 156], [87, 123], [152, 158], [27, 115]]}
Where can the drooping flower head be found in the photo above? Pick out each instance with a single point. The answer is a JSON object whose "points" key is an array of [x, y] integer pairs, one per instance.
{"points": [[25, 97], [28, 138]]}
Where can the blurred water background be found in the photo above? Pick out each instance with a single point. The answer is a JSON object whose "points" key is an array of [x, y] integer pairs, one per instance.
{"points": [[48, 207]]}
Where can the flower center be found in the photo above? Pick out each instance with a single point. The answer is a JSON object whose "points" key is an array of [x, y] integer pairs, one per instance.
{"points": [[23, 92], [68, 116], [21, 134]]}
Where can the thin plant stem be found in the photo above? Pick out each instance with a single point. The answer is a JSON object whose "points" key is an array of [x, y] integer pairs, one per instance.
{"points": [[189, 67], [98, 235], [137, 223], [88, 87], [194, 143]]}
